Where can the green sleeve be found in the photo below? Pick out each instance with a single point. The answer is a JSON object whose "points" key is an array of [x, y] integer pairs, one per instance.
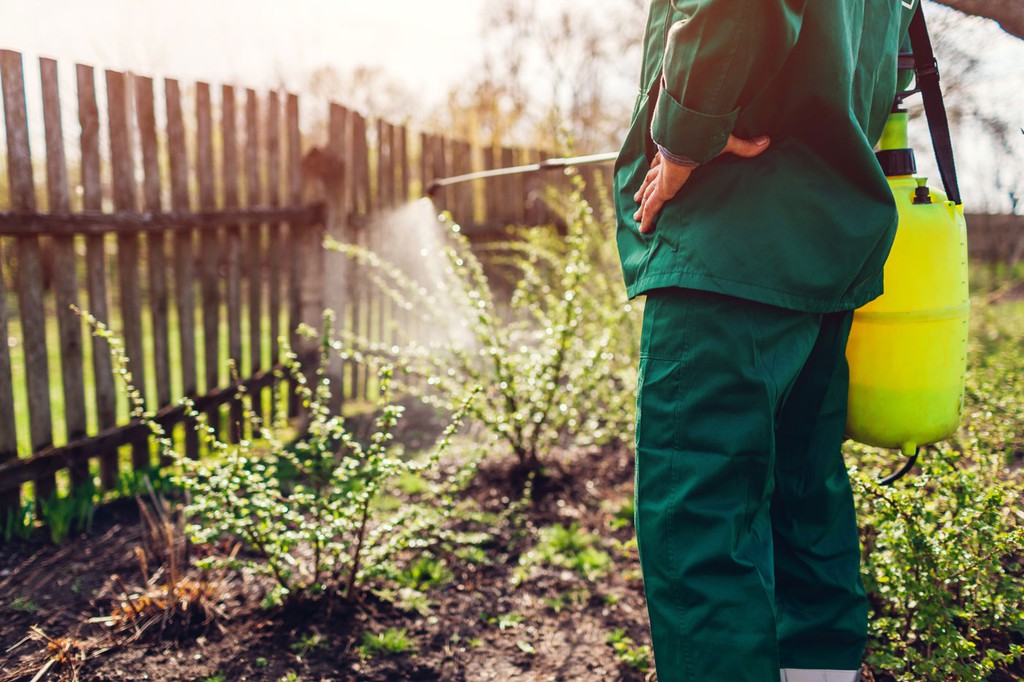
{"points": [[716, 60]]}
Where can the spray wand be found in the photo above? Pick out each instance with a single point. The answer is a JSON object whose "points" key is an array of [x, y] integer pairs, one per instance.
{"points": [[547, 164]]}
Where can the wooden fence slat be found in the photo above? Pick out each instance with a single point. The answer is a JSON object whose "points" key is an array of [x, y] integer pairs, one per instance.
{"points": [[439, 157], [382, 164], [96, 269], [402, 317], [298, 248], [254, 240], [507, 184], [29, 274], [466, 166], [343, 131], [233, 234], [377, 308], [491, 202], [402, 141], [425, 164], [338, 269], [210, 248], [155, 245], [393, 170], [184, 256], [276, 241], [361, 304], [128, 252], [65, 271], [11, 499]]}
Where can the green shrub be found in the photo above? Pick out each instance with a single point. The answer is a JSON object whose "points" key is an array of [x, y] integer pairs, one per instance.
{"points": [[556, 361], [944, 568], [315, 534]]}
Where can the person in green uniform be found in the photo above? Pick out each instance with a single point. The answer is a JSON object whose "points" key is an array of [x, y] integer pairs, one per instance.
{"points": [[753, 216]]}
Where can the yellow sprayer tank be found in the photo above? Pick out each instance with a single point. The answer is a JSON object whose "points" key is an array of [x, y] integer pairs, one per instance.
{"points": [[908, 348]]}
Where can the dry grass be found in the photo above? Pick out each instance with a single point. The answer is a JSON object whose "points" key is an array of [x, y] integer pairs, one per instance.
{"points": [[171, 604], [58, 658]]}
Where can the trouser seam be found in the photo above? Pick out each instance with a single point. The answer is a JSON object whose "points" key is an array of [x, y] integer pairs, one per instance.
{"points": [[683, 371]]}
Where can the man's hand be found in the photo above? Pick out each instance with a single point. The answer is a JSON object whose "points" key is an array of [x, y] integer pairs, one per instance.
{"points": [[665, 179]]}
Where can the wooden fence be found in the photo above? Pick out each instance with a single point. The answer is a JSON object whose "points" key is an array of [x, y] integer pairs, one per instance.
{"points": [[195, 233]]}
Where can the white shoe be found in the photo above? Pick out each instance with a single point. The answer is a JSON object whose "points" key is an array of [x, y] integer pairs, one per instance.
{"points": [[800, 675]]}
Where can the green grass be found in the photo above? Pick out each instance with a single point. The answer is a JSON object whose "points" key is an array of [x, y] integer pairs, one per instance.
{"points": [[388, 643]]}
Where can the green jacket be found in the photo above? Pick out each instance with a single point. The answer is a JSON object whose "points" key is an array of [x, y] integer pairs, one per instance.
{"points": [[809, 223]]}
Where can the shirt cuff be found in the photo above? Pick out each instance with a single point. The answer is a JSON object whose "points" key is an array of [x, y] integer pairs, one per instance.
{"points": [[677, 159], [688, 133]]}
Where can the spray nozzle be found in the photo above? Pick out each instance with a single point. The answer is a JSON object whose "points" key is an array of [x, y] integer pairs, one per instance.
{"points": [[548, 164]]}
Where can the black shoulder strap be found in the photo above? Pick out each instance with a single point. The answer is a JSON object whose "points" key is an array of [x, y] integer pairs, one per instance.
{"points": [[928, 83]]}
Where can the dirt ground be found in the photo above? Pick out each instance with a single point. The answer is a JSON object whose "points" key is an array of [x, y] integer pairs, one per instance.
{"points": [[461, 638]]}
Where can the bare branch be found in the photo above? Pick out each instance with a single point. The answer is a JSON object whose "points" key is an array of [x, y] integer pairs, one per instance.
{"points": [[1009, 14]]}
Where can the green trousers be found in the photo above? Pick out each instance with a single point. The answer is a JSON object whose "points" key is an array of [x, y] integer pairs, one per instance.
{"points": [[745, 519]]}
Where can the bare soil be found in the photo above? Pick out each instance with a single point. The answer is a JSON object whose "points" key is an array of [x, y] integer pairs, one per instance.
{"points": [[59, 588]]}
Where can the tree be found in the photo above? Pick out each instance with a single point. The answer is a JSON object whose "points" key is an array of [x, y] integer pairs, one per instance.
{"points": [[549, 67], [1009, 14]]}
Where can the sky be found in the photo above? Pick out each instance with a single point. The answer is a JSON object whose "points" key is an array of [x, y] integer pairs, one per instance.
{"points": [[428, 47]]}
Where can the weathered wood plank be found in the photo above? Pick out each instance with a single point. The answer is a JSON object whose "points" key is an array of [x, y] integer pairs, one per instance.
{"points": [[29, 273], [467, 202], [401, 140], [425, 165], [10, 499], [96, 270], [362, 143], [360, 304], [65, 271], [377, 309], [122, 161], [155, 245], [210, 248], [50, 460], [337, 268], [508, 187], [440, 160], [403, 317], [233, 235], [299, 249], [491, 196], [276, 241], [184, 256], [342, 138], [254, 241], [27, 223]]}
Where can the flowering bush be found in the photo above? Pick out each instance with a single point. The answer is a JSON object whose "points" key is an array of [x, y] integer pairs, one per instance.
{"points": [[319, 532], [555, 361]]}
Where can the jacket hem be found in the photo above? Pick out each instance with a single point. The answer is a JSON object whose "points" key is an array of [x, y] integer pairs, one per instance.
{"points": [[862, 294]]}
